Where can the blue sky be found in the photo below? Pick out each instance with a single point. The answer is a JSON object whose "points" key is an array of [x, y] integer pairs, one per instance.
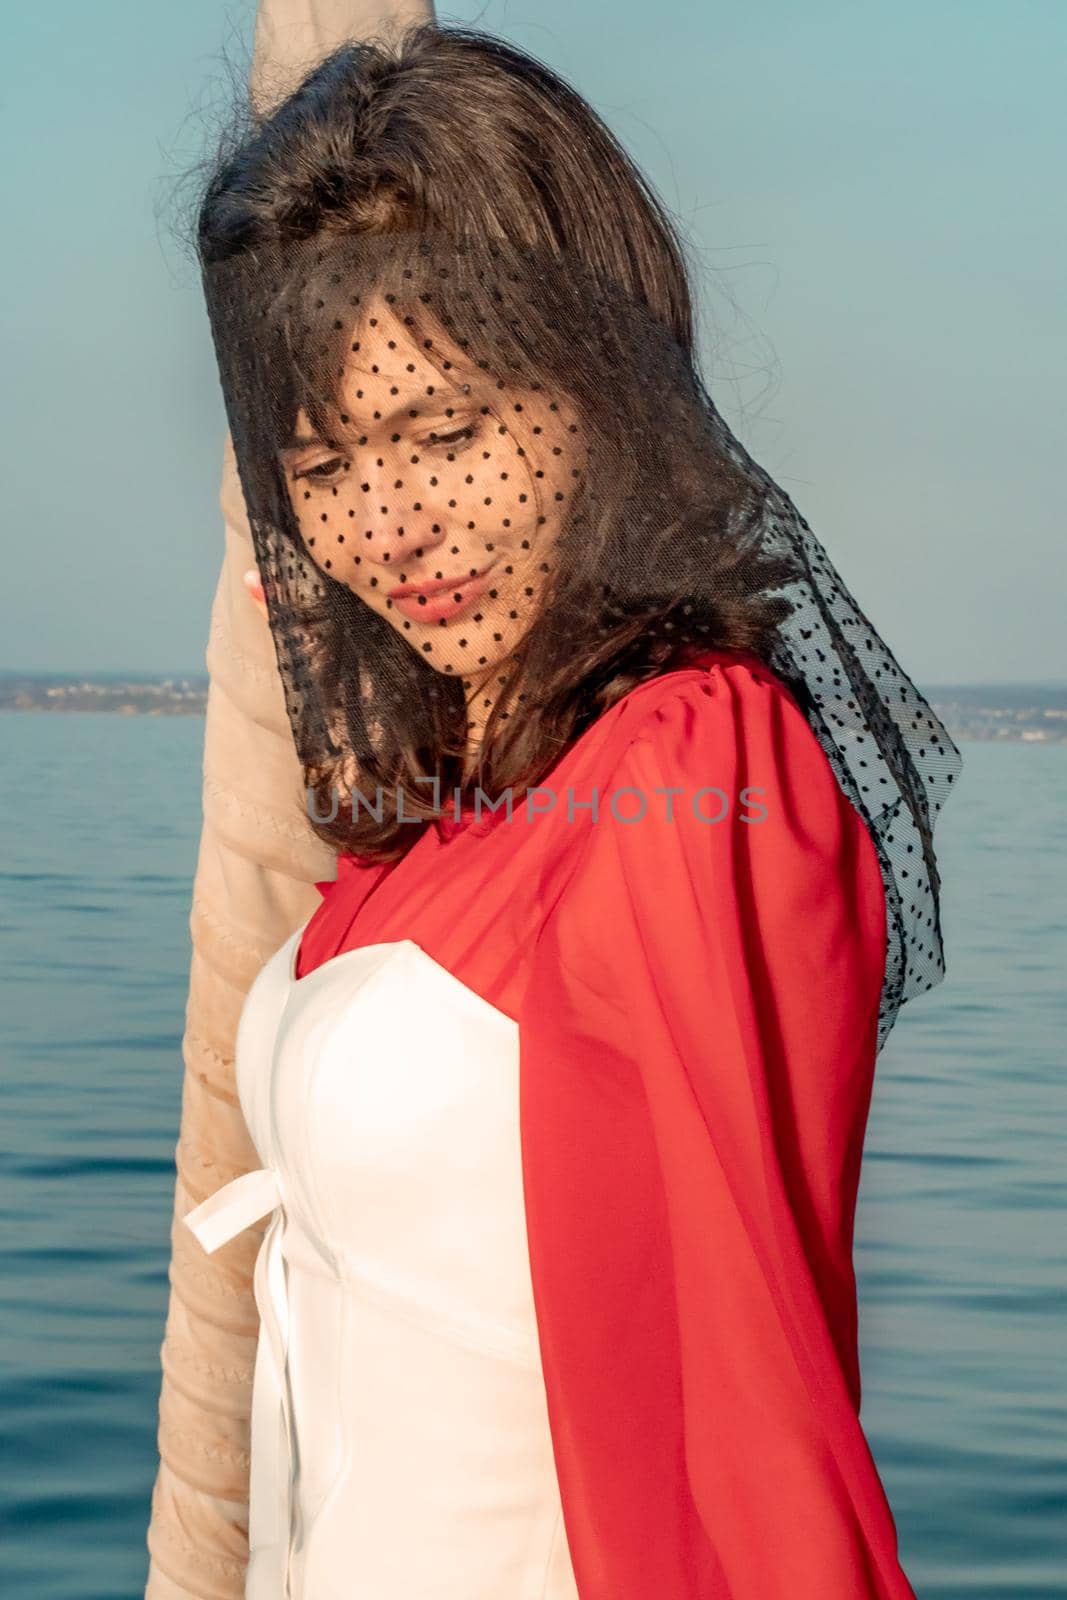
{"points": [[873, 193]]}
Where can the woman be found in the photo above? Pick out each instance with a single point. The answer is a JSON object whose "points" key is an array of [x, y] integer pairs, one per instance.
{"points": [[560, 1104]]}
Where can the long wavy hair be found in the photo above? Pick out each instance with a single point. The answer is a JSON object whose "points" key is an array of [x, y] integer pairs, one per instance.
{"points": [[453, 132]]}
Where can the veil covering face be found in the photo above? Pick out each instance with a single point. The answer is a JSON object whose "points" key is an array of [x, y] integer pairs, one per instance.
{"points": [[492, 419]]}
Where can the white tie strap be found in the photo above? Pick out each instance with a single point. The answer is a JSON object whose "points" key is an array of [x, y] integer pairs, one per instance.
{"points": [[233, 1208], [215, 1222]]}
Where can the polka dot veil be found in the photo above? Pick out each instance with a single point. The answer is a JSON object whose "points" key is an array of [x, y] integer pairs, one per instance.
{"points": [[475, 475]]}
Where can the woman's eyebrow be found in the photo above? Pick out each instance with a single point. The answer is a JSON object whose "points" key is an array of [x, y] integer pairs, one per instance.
{"points": [[434, 402]]}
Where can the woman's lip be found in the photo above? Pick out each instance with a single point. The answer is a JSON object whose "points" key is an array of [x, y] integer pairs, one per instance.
{"points": [[434, 585], [433, 606], [443, 602]]}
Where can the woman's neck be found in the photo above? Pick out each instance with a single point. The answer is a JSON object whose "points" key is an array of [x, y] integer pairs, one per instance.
{"points": [[481, 693]]}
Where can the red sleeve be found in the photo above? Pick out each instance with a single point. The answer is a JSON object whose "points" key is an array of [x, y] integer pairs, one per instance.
{"points": [[699, 1039]]}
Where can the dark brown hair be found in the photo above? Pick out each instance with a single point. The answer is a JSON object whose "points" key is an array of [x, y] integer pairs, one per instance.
{"points": [[455, 132]]}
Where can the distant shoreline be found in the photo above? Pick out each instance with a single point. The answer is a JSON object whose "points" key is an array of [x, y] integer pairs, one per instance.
{"points": [[1021, 713]]}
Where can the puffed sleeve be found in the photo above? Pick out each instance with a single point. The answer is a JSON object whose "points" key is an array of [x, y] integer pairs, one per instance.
{"points": [[698, 1042]]}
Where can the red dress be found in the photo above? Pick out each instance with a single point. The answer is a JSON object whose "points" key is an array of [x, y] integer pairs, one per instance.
{"points": [[697, 1003]]}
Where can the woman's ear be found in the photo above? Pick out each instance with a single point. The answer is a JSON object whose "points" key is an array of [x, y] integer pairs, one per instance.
{"points": [[255, 589]]}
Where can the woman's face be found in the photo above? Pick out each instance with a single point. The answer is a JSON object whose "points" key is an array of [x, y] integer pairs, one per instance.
{"points": [[443, 506]]}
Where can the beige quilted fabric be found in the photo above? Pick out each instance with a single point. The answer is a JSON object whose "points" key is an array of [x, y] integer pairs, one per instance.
{"points": [[254, 883]]}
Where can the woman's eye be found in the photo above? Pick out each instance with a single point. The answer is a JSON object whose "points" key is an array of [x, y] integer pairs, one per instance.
{"points": [[454, 440], [323, 471]]}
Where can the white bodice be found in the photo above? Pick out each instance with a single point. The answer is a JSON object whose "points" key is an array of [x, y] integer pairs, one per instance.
{"points": [[400, 1440]]}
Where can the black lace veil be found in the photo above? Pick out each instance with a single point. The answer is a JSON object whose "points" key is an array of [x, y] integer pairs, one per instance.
{"points": [[491, 418]]}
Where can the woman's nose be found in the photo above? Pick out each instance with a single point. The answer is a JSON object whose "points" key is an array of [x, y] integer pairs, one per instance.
{"points": [[401, 518]]}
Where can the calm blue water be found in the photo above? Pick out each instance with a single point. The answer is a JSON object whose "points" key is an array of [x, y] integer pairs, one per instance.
{"points": [[961, 1242]]}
